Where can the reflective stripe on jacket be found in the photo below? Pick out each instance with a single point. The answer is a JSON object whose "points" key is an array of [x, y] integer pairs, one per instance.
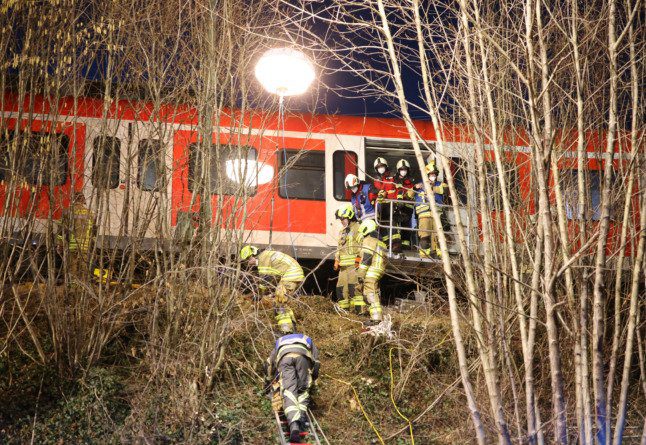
{"points": [[293, 344], [349, 245], [377, 266], [274, 263], [83, 223], [422, 207]]}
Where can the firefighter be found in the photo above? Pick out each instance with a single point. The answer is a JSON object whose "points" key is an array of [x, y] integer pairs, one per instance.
{"points": [[406, 192], [283, 268], [428, 246], [78, 225], [363, 197], [384, 187], [344, 260], [294, 362], [372, 265]]}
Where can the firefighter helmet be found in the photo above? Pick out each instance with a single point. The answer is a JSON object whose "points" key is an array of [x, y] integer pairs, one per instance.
{"points": [[367, 227], [248, 251], [431, 168], [351, 181], [403, 163], [346, 211], [380, 161]]}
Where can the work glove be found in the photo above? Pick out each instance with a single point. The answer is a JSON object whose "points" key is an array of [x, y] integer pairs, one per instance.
{"points": [[276, 401], [336, 264], [410, 194], [357, 262]]}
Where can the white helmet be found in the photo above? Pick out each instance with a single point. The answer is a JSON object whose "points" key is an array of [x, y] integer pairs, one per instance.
{"points": [[351, 181], [380, 161], [403, 163]]}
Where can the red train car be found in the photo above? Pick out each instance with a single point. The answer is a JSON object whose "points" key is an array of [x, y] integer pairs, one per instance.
{"points": [[137, 165]]}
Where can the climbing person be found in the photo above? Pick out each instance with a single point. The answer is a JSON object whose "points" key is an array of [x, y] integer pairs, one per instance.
{"points": [[405, 192], [371, 267], [294, 363], [344, 260], [363, 197], [283, 268], [77, 231], [384, 187], [428, 246]]}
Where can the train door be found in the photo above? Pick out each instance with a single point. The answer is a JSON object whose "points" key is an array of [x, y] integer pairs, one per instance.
{"points": [[344, 154], [106, 167], [148, 165]]}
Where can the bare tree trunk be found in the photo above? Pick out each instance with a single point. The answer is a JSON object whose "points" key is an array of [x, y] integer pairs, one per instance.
{"points": [[598, 307], [466, 382]]}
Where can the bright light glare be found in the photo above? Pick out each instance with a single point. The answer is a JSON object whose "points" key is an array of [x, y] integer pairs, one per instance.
{"points": [[285, 71], [253, 172]]}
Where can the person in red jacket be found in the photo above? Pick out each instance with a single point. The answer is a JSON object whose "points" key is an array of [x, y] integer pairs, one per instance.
{"points": [[405, 192], [385, 188]]}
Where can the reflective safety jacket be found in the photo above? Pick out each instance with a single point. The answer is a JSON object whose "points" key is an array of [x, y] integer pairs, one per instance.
{"points": [[373, 258], [349, 245], [422, 207], [81, 227], [363, 202], [299, 344], [279, 264]]}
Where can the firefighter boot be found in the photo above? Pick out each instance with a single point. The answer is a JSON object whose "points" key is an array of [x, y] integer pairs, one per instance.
{"points": [[294, 432]]}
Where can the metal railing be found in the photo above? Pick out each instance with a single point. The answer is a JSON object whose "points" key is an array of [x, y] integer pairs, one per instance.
{"points": [[391, 227]]}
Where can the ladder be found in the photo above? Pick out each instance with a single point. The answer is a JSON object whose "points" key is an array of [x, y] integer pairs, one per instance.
{"points": [[308, 437]]}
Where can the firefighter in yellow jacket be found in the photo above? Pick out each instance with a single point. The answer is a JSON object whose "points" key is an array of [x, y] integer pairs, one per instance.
{"points": [[78, 231], [278, 266], [428, 246], [372, 265], [345, 259]]}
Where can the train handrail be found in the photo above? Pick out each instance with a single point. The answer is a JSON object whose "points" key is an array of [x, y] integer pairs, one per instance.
{"points": [[390, 226]]}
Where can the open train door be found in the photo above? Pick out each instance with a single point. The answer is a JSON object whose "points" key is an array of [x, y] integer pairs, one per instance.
{"points": [[344, 154]]}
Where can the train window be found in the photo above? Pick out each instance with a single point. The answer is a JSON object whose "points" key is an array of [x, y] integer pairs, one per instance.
{"points": [[302, 174], [221, 171], [150, 172], [44, 158], [105, 162], [569, 182], [343, 164], [494, 192]]}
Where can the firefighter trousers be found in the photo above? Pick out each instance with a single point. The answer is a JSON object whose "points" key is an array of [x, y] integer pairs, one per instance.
{"points": [[427, 235], [347, 288], [295, 374], [369, 287]]}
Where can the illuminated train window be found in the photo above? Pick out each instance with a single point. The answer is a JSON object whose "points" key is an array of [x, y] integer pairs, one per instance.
{"points": [[225, 170], [302, 174]]}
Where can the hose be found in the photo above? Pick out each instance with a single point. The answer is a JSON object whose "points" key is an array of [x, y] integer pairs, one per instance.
{"points": [[392, 398], [356, 396]]}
